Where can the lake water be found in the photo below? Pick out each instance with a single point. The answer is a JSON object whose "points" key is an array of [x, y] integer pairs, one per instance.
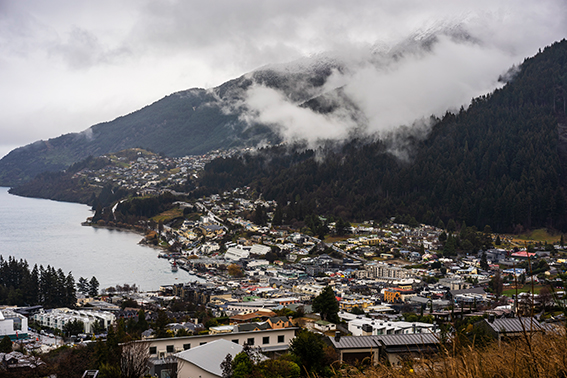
{"points": [[46, 232]]}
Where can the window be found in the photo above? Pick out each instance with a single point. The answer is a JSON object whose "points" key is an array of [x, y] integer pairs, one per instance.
{"points": [[186, 346], [281, 338], [153, 350], [169, 348], [235, 341], [203, 343], [266, 340], [250, 341]]}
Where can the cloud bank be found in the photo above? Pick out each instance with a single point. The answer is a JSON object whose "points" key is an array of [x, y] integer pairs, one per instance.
{"points": [[65, 65]]}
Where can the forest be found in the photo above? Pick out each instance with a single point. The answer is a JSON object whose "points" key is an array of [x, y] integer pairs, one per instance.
{"points": [[500, 162], [24, 286]]}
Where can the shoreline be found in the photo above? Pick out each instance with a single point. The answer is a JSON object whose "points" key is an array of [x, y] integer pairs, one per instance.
{"points": [[123, 229]]}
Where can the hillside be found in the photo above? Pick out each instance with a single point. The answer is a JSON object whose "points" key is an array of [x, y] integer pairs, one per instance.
{"points": [[501, 162]]}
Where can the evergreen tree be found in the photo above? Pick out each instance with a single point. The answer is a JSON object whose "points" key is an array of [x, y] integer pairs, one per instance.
{"points": [[70, 292], [83, 285], [6, 345], [278, 216], [498, 241], [483, 262], [93, 287], [327, 305]]}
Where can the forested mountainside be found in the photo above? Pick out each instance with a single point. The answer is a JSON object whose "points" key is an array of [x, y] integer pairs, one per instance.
{"points": [[500, 162], [190, 122]]}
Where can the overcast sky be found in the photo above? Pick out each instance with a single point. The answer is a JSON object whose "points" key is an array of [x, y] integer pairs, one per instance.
{"points": [[66, 65]]}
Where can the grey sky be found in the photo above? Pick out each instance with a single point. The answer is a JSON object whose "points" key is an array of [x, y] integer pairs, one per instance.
{"points": [[66, 65]]}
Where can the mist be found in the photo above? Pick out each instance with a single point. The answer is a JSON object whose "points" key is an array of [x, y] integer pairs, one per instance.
{"points": [[387, 86]]}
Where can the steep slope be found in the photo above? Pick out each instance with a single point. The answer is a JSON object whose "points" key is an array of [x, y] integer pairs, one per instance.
{"points": [[189, 122], [497, 163]]}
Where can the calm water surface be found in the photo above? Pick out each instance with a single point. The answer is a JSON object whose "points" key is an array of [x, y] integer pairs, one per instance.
{"points": [[46, 232]]}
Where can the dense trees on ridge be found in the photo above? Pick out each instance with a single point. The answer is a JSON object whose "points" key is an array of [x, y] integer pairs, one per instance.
{"points": [[501, 162], [20, 285]]}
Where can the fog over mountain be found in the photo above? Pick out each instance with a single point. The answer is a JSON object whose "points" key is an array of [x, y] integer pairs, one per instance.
{"points": [[68, 65], [376, 89]]}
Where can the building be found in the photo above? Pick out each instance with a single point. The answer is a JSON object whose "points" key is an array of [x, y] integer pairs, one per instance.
{"points": [[507, 328], [13, 325], [393, 349], [57, 318], [362, 326], [205, 360], [269, 340], [381, 270], [237, 253]]}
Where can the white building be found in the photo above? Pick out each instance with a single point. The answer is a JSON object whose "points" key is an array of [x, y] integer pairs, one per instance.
{"points": [[259, 249], [57, 318], [236, 253], [366, 326], [13, 325]]}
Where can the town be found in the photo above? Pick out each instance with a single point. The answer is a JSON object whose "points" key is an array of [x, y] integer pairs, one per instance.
{"points": [[369, 292]]}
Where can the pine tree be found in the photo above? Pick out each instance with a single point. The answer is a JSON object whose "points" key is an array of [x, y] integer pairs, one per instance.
{"points": [[83, 285], [6, 345], [327, 305], [93, 287]]}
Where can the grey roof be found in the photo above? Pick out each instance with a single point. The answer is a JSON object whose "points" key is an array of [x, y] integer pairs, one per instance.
{"points": [[355, 342], [210, 356], [472, 290], [375, 341], [409, 339], [515, 325]]}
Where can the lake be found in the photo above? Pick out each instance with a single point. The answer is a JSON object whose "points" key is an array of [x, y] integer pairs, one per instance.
{"points": [[46, 232]]}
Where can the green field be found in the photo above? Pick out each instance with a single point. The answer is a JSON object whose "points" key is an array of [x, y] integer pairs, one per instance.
{"points": [[524, 289]]}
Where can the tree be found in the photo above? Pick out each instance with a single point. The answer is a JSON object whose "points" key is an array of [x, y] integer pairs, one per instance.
{"points": [[357, 311], [278, 216], [73, 327], [234, 270], [242, 365], [93, 287], [483, 262], [327, 305], [134, 358], [83, 285], [142, 322], [498, 241], [496, 284], [309, 348], [226, 366], [6, 345]]}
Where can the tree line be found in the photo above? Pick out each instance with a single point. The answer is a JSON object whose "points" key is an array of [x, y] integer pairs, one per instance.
{"points": [[24, 286]]}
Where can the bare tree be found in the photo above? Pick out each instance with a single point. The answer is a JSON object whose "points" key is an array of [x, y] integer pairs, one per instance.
{"points": [[134, 359]]}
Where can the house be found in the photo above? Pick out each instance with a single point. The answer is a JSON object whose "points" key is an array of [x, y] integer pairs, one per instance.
{"points": [[362, 326], [205, 360], [506, 328], [278, 322], [393, 349], [260, 314], [324, 326], [268, 340]]}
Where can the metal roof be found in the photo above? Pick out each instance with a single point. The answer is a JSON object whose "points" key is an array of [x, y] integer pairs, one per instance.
{"points": [[209, 356], [408, 339], [400, 340], [355, 342], [515, 325]]}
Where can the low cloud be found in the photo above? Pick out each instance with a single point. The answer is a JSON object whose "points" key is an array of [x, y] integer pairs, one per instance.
{"points": [[388, 87]]}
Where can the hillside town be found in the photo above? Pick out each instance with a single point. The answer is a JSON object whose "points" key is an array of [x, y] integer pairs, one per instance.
{"points": [[378, 291]]}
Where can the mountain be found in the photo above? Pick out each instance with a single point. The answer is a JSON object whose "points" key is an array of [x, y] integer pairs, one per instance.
{"points": [[502, 162], [196, 121]]}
